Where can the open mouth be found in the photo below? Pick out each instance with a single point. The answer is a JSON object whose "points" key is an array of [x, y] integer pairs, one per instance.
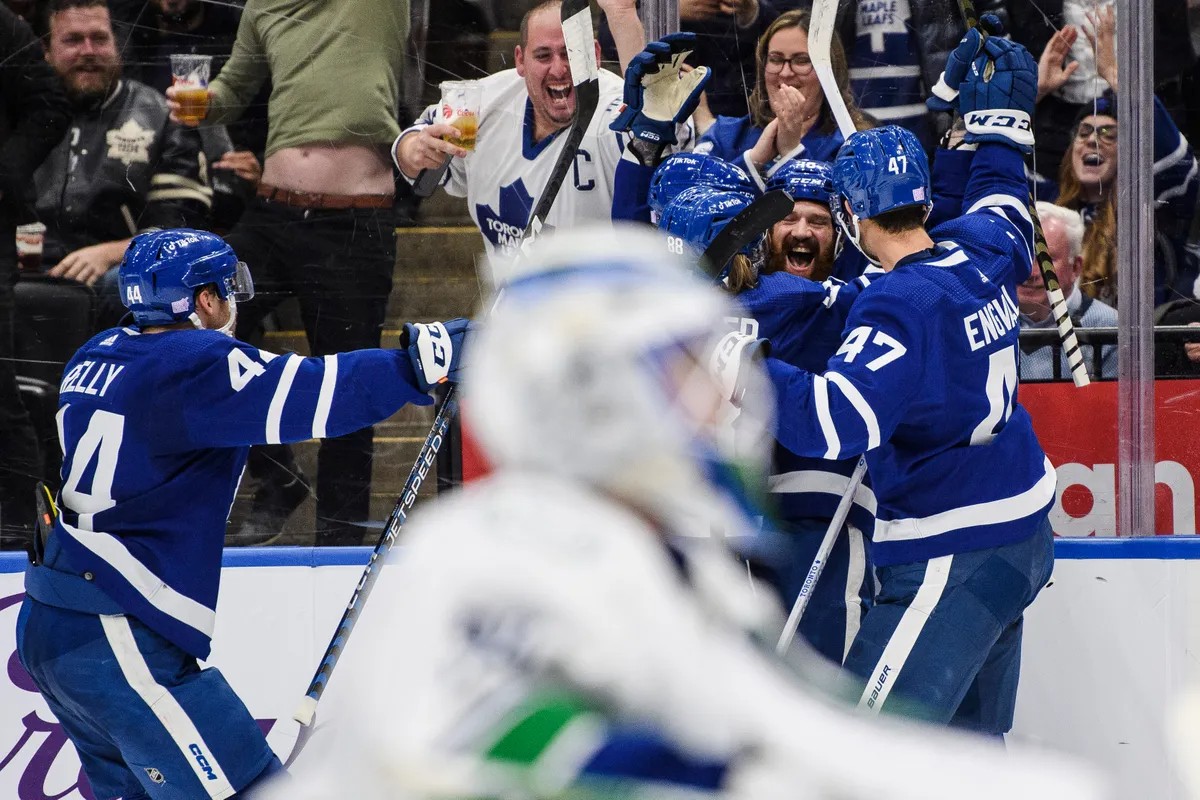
{"points": [[559, 94], [1093, 160], [800, 258]]}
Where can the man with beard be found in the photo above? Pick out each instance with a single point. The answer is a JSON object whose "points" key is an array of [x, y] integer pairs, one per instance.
{"points": [[33, 117], [522, 112], [806, 242], [123, 167]]}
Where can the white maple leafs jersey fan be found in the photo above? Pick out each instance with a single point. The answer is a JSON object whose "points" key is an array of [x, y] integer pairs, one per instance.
{"points": [[505, 175]]}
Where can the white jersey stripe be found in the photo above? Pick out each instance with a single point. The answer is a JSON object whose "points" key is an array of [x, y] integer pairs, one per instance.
{"points": [[900, 645], [166, 708], [823, 481], [157, 593], [821, 398], [860, 405], [279, 400], [325, 398], [992, 512], [856, 573]]}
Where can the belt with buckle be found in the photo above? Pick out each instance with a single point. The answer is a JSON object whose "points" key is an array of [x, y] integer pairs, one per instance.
{"points": [[315, 200]]}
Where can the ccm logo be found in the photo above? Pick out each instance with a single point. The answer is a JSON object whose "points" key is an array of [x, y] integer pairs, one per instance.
{"points": [[209, 772], [997, 121]]}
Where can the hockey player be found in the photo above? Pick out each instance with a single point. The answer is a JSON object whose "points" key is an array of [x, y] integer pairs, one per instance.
{"points": [[925, 384], [156, 421], [803, 320], [522, 112], [556, 629]]}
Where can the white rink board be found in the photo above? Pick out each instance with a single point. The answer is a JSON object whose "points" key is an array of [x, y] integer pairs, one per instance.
{"points": [[1107, 647]]}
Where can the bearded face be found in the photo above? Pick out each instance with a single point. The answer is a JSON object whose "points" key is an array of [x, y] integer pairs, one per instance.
{"points": [[803, 243], [83, 52]]}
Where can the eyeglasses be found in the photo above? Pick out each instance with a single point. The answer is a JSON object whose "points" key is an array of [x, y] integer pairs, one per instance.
{"points": [[1106, 132], [801, 64]]}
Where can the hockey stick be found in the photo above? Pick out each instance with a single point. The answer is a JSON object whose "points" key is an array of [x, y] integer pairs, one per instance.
{"points": [[821, 25], [1058, 303], [823, 551], [577, 28], [748, 225]]}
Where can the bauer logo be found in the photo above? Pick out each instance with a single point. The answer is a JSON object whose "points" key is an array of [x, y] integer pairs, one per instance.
{"points": [[880, 682]]}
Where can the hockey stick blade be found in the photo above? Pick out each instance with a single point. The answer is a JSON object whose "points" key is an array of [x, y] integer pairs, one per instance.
{"points": [[1058, 303], [753, 220], [820, 38], [581, 53]]}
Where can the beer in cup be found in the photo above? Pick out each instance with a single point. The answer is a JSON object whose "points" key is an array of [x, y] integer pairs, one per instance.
{"points": [[460, 108], [30, 239], [189, 73]]}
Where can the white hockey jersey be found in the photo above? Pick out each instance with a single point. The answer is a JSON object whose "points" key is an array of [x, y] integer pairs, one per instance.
{"points": [[525, 613], [504, 176]]}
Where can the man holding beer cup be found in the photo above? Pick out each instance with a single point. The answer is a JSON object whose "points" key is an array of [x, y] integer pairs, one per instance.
{"points": [[517, 149], [321, 227]]}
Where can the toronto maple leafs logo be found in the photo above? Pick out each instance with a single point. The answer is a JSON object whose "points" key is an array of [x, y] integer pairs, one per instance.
{"points": [[504, 229], [130, 143]]}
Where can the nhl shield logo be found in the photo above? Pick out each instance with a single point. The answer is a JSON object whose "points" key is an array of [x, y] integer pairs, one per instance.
{"points": [[155, 776]]}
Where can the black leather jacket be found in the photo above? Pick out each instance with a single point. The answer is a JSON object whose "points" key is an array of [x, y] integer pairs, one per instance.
{"points": [[122, 167]]}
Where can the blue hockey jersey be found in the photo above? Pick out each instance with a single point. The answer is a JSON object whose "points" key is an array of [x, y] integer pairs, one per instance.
{"points": [[925, 384], [156, 429], [804, 321]]}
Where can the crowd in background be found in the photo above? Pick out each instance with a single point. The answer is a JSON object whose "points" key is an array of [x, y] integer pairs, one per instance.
{"points": [[89, 156]]}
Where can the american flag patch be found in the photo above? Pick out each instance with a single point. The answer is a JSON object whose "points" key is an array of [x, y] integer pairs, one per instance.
{"points": [[919, 194], [179, 306]]}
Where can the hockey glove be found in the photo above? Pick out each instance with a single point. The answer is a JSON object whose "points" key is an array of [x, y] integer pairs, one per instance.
{"points": [[435, 349], [944, 95], [729, 360], [659, 95], [996, 100]]}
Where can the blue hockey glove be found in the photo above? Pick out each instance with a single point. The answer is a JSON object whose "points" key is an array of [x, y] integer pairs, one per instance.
{"points": [[659, 94], [996, 100], [435, 349], [944, 95]]}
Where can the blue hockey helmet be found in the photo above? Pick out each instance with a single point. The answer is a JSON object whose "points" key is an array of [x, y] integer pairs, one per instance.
{"points": [[881, 169], [696, 215], [804, 179], [162, 270], [685, 170]]}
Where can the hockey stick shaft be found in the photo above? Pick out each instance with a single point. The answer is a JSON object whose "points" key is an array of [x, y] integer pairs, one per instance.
{"points": [[822, 557], [1058, 303], [426, 458], [820, 40], [577, 26]]}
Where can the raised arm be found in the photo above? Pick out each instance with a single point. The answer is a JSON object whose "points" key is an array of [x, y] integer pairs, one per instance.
{"points": [[626, 27]]}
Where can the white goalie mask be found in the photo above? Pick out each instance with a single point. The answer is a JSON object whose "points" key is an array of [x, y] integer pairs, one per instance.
{"points": [[598, 363]]}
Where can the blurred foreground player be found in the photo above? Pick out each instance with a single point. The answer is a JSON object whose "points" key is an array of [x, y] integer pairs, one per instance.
{"points": [[155, 422], [566, 627]]}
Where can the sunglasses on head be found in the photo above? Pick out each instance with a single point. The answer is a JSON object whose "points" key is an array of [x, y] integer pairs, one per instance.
{"points": [[1107, 132]]}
